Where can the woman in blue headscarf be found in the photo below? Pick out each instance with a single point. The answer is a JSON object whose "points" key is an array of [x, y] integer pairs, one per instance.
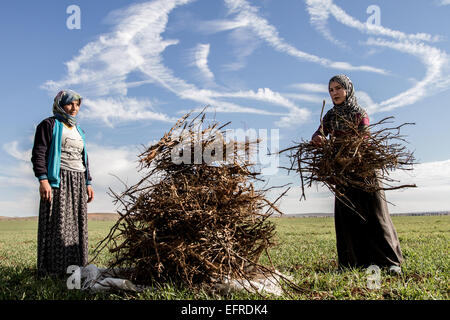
{"points": [[60, 163]]}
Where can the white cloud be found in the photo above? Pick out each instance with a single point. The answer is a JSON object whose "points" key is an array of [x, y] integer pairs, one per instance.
{"points": [[365, 101], [304, 97], [320, 11], [101, 68], [199, 57], [444, 2], [12, 149], [437, 77], [428, 174], [105, 163], [112, 110], [318, 199], [433, 187], [19, 196], [21, 206], [262, 94], [201, 60], [137, 42], [293, 118], [21, 175], [315, 88], [214, 26], [241, 37], [207, 97], [363, 97], [312, 87], [244, 43], [249, 16]]}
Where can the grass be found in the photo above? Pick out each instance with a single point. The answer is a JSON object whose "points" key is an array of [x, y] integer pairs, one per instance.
{"points": [[306, 251]]}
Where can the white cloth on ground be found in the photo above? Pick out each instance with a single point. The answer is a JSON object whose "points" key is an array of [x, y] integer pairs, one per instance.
{"points": [[102, 279]]}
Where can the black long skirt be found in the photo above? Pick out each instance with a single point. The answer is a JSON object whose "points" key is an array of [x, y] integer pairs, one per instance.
{"points": [[361, 243], [62, 228]]}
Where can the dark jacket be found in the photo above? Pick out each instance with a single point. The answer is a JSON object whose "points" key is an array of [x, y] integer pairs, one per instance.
{"points": [[46, 153]]}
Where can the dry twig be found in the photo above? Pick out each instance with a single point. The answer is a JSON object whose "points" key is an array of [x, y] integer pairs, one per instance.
{"points": [[360, 159], [195, 222]]}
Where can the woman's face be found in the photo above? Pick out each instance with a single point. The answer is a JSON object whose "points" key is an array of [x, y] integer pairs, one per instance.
{"points": [[337, 92], [72, 108]]}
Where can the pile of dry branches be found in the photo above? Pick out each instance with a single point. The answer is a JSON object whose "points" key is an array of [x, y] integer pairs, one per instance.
{"points": [[193, 222], [359, 159]]}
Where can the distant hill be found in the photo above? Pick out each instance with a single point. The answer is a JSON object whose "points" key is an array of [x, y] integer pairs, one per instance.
{"points": [[305, 215], [91, 217], [430, 213], [115, 216], [324, 215], [103, 216]]}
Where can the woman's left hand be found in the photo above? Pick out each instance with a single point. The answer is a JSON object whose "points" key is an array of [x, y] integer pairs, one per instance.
{"points": [[90, 193], [318, 140]]}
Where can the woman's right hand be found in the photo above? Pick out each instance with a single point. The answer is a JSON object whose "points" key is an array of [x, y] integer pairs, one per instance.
{"points": [[318, 140], [45, 190]]}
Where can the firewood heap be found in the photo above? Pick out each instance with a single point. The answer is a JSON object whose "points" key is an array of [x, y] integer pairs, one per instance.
{"points": [[198, 223], [358, 159]]}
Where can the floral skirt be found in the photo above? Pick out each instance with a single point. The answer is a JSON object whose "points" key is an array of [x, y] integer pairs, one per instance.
{"points": [[62, 228]]}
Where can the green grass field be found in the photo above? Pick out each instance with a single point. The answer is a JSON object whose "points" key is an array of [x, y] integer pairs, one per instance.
{"points": [[306, 251]]}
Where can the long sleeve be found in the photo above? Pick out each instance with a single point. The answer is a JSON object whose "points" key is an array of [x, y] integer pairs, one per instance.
{"points": [[338, 128], [363, 122], [85, 157], [323, 128], [42, 142], [88, 172]]}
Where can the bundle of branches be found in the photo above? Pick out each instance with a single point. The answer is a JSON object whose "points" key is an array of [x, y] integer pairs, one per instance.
{"points": [[358, 159], [188, 219]]}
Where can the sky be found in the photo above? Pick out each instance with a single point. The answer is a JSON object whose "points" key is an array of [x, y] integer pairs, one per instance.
{"points": [[261, 64]]}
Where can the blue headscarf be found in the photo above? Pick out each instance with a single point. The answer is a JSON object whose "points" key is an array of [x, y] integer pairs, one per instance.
{"points": [[62, 98]]}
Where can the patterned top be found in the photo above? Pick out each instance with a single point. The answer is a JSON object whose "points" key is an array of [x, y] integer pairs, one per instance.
{"points": [[336, 122], [72, 150]]}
